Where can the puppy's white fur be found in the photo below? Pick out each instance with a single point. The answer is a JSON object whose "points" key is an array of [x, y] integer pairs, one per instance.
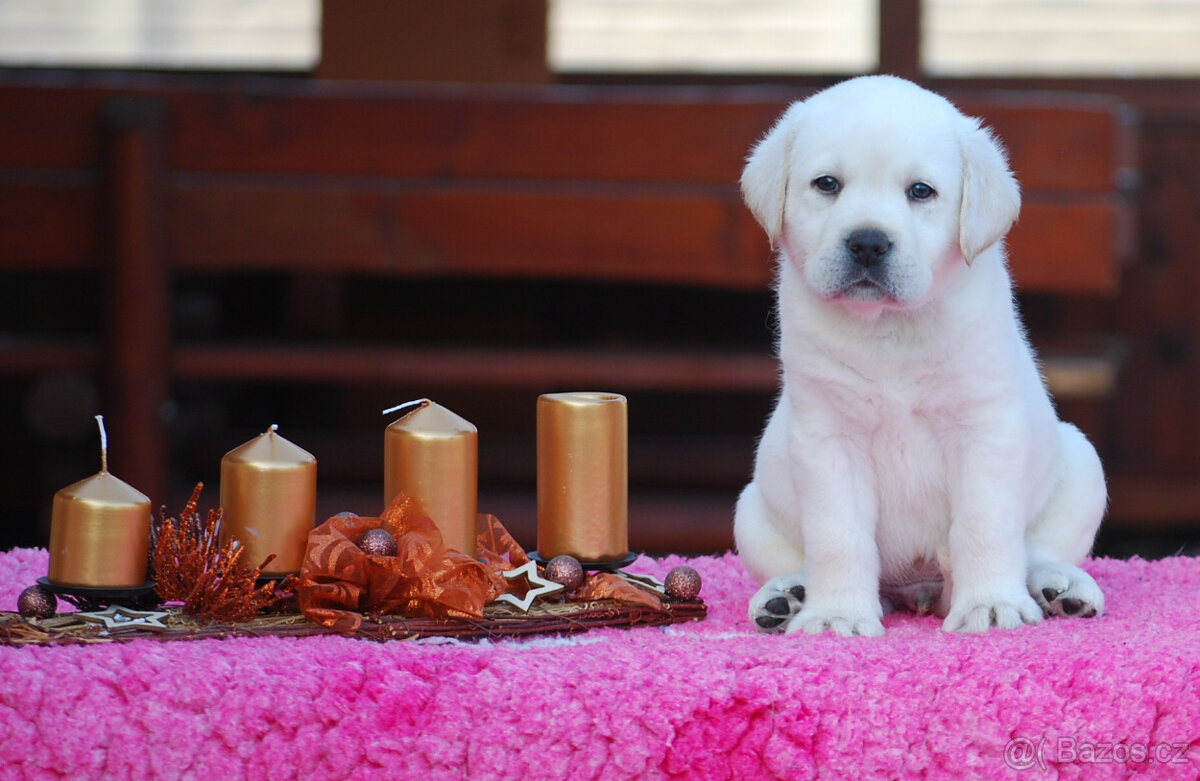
{"points": [[913, 441]]}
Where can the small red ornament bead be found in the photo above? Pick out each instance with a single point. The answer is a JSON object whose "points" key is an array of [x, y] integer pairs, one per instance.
{"points": [[683, 583], [378, 542], [37, 602], [566, 570]]}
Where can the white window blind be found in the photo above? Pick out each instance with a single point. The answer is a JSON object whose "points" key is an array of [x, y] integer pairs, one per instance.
{"points": [[191, 34]]}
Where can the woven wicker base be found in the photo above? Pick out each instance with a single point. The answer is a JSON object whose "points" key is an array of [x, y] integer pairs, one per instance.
{"points": [[499, 621]]}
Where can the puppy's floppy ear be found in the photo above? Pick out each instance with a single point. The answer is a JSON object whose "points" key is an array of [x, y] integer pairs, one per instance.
{"points": [[991, 198], [764, 179]]}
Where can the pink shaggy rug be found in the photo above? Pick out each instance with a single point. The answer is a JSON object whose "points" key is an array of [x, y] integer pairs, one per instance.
{"points": [[1114, 697]]}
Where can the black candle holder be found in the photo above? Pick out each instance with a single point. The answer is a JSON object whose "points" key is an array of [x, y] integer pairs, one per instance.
{"points": [[596, 566], [92, 598]]}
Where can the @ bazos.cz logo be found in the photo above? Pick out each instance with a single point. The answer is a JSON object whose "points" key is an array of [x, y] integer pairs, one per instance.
{"points": [[1023, 753]]}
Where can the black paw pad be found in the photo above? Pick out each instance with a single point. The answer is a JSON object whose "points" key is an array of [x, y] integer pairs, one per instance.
{"points": [[797, 593], [777, 606], [1073, 607], [768, 622], [1051, 594]]}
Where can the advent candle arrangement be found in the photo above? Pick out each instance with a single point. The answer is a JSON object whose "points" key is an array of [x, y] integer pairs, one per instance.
{"points": [[582, 477], [432, 455], [269, 494], [100, 527], [99, 531]]}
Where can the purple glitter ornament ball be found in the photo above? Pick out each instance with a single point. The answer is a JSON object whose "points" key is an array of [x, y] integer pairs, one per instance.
{"points": [[683, 583], [377, 542], [37, 602], [566, 570]]}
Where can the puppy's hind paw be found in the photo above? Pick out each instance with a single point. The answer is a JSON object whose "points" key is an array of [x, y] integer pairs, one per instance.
{"points": [[776, 602], [1065, 590]]}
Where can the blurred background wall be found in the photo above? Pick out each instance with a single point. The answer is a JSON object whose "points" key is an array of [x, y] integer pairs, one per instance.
{"points": [[69, 350]]}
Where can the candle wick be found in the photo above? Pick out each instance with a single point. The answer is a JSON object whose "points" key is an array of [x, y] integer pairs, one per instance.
{"points": [[103, 444], [405, 405], [273, 428]]}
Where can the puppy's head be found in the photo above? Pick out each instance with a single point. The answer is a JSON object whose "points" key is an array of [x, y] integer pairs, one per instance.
{"points": [[878, 192]]}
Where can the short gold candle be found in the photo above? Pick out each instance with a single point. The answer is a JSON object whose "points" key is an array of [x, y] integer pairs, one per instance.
{"points": [[99, 531], [99, 534], [582, 483], [269, 495], [432, 455]]}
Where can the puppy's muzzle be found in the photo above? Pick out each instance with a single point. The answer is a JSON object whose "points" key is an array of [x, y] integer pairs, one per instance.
{"points": [[868, 247]]}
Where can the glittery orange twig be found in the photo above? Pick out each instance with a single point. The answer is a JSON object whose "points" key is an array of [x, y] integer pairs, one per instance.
{"points": [[191, 566]]}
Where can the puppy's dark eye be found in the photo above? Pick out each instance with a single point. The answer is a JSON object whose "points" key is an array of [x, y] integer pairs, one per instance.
{"points": [[921, 192], [827, 185]]}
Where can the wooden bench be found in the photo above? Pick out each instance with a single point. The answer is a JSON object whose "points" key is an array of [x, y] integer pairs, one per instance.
{"points": [[149, 180]]}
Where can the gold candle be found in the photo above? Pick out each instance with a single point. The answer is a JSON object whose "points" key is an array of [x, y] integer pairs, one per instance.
{"points": [[432, 455], [269, 494], [99, 531], [583, 468]]}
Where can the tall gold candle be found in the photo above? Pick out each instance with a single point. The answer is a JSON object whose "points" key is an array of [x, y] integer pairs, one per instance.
{"points": [[583, 467], [269, 494], [99, 531], [432, 455]]}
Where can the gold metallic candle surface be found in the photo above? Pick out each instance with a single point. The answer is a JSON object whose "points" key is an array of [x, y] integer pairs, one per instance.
{"points": [[269, 494], [99, 531], [432, 455], [99, 534], [583, 467]]}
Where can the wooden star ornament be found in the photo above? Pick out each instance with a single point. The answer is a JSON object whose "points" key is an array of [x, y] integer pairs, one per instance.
{"points": [[648, 582], [116, 618], [540, 586]]}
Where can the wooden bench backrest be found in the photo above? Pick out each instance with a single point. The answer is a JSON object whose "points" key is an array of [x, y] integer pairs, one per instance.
{"points": [[605, 183]]}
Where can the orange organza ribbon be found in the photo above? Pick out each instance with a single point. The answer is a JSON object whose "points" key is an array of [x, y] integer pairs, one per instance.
{"points": [[425, 579]]}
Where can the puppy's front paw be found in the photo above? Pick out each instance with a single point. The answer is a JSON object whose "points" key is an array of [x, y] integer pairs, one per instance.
{"points": [[982, 614], [1065, 590], [777, 601], [844, 620]]}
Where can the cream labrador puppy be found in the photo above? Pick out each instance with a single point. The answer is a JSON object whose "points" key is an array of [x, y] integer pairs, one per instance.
{"points": [[914, 458]]}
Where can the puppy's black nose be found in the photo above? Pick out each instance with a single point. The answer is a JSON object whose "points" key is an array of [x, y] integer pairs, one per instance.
{"points": [[868, 246]]}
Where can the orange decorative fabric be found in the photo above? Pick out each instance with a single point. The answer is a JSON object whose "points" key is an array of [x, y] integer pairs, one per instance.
{"points": [[605, 585], [425, 579], [339, 581]]}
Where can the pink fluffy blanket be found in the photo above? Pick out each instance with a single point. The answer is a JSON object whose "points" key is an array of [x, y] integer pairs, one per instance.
{"points": [[1114, 697]]}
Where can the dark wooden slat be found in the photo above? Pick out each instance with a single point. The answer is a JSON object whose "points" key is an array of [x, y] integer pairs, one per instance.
{"points": [[332, 228], [1055, 247], [50, 127], [459, 367], [634, 237], [1066, 248], [683, 134], [1147, 499], [1071, 374], [24, 355], [628, 235], [1060, 147], [568, 133], [48, 227], [572, 133]]}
